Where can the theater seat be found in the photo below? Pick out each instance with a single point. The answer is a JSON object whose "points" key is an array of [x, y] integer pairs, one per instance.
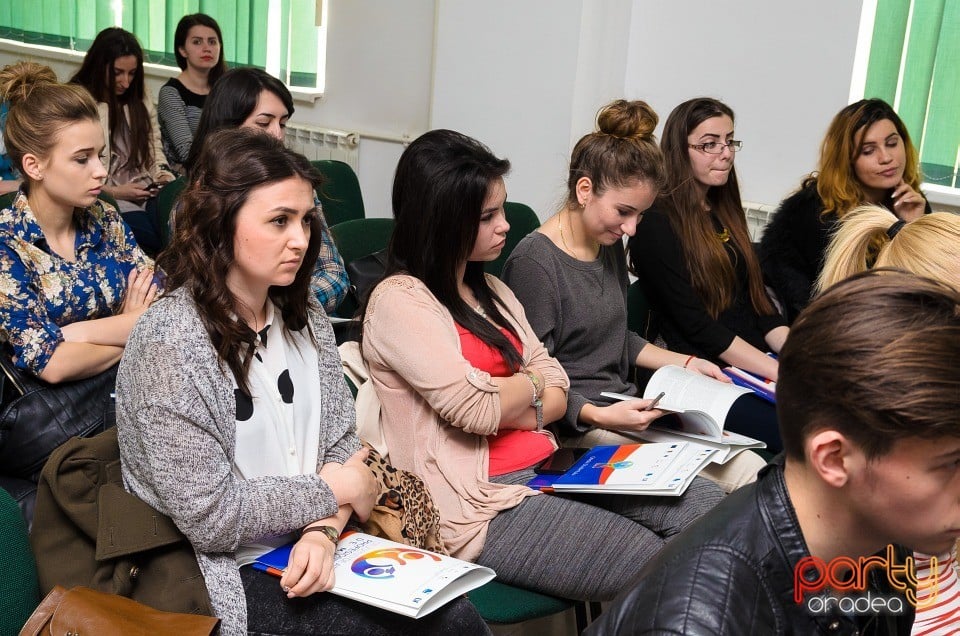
{"points": [[522, 220], [19, 590]]}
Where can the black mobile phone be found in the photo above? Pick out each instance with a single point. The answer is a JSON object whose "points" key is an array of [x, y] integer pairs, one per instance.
{"points": [[561, 461]]}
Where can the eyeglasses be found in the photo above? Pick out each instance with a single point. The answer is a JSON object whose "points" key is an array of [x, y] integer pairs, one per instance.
{"points": [[716, 148]]}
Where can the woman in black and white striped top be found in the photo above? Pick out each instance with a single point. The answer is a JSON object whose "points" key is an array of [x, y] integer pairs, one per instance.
{"points": [[198, 48]]}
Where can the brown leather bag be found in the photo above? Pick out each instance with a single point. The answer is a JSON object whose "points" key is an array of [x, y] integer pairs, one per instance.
{"points": [[81, 611]]}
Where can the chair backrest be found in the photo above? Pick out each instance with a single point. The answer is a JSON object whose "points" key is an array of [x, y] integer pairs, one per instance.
{"points": [[165, 201], [340, 193], [522, 220], [640, 317], [355, 239], [19, 589]]}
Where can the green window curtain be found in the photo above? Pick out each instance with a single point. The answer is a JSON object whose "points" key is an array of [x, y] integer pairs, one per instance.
{"points": [[73, 24], [915, 70]]}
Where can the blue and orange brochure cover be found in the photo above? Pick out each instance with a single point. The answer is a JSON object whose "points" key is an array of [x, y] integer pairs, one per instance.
{"points": [[390, 575], [644, 469]]}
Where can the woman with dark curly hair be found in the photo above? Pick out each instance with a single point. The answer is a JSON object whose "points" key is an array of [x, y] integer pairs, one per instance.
{"points": [[232, 412]]}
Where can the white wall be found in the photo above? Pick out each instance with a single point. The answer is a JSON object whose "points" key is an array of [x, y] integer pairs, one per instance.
{"points": [[527, 78], [784, 68], [504, 74]]}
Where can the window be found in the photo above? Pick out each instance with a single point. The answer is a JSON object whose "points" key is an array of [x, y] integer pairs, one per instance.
{"points": [[913, 55], [270, 34]]}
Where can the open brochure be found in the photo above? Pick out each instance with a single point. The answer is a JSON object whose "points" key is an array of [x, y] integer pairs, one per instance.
{"points": [[631, 469], [390, 575], [697, 408]]}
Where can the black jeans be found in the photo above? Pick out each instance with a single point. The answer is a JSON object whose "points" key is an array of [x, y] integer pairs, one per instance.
{"points": [[271, 613]]}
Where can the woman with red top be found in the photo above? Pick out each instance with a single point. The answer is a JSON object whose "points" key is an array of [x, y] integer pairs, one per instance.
{"points": [[465, 389]]}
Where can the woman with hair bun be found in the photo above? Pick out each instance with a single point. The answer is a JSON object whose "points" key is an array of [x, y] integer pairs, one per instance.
{"points": [[866, 157], [571, 277], [693, 256], [72, 280]]}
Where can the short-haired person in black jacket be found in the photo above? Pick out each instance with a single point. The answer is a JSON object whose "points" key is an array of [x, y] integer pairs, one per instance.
{"points": [[869, 409]]}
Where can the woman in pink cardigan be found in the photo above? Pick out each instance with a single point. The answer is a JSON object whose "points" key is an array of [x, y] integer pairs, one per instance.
{"points": [[466, 388]]}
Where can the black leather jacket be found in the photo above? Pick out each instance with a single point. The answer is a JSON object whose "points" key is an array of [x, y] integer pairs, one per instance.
{"points": [[732, 573]]}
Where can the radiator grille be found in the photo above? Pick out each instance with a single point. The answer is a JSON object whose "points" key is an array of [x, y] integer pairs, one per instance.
{"points": [[315, 143]]}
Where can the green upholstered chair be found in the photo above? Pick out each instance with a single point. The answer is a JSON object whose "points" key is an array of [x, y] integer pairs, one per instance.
{"points": [[355, 239], [106, 198], [340, 193], [165, 201], [522, 220], [501, 603], [6, 200], [19, 590]]}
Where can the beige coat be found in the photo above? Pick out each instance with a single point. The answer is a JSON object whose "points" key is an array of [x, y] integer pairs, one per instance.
{"points": [[437, 409]]}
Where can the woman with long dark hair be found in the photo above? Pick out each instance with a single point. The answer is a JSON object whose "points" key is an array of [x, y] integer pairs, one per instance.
{"points": [[254, 99], [112, 70], [866, 158], [466, 388], [693, 251], [693, 256], [232, 413], [198, 48]]}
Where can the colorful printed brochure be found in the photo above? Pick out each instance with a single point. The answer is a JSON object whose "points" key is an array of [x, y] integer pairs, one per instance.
{"points": [[390, 575], [632, 469]]}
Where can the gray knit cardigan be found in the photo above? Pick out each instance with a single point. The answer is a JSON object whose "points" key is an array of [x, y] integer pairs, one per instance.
{"points": [[176, 416]]}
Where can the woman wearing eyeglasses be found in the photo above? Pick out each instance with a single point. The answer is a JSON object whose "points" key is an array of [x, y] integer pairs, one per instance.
{"points": [[693, 253]]}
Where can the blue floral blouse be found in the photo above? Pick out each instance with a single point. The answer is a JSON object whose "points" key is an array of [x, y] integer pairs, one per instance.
{"points": [[40, 291]]}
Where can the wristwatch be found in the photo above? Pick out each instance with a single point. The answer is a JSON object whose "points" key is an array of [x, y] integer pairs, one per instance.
{"points": [[328, 531]]}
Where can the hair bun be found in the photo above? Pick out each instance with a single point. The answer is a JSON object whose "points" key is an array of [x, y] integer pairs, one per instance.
{"points": [[627, 120], [18, 80]]}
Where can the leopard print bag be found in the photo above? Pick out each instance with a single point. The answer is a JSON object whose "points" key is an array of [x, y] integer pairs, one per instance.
{"points": [[404, 511]]}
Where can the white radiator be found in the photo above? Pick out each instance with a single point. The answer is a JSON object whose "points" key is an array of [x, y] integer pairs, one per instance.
{"points": [[316, 143], [757, 216]]}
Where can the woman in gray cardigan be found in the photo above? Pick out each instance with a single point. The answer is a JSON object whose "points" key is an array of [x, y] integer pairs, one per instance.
{"points": [[233, 416]]}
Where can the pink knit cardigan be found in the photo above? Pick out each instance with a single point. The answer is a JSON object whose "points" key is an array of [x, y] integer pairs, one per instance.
{"points": [[437, 409]]}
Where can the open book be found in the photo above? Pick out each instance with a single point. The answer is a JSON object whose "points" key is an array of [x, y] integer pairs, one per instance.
{"points": [[390, 575], [631, 469], [697, 408]]}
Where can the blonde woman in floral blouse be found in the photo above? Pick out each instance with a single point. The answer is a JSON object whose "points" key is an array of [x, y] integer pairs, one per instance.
{"points": [[72, 280]]}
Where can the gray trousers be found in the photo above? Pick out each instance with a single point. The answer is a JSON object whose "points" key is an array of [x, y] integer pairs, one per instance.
{"points": [[586, 547]]}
